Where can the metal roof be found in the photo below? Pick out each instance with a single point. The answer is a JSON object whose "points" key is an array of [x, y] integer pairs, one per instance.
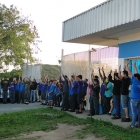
{"points": [[105, 22]]}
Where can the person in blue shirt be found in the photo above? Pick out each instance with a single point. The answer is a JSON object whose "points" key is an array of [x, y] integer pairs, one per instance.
{"points": [[12, 92], [134, 95], [79, 94], [51, 94], [47, 91], [43, 92], [84, 93], [22, 91]]}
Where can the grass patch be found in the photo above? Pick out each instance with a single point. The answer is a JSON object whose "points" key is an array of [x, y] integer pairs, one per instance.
{"points": [[45, 119]]}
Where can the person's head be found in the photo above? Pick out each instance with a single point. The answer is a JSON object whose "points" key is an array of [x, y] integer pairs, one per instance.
{"points": [[50, 82], [34, 80], [86, 80], [96, 82], [125, 74], [137, 76], [116, 76], [54, 82], [106, 80], [72, 78], [79, 77], [96, 77]]}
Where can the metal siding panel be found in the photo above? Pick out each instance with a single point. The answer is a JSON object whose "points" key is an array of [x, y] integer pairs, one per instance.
{"points": [[109, 14]]}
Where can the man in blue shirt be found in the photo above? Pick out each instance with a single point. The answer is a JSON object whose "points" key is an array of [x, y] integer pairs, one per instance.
{"points": [[12, 92], [79, 94], [22, 91], [135, 95], [84, 92], [17, 94]]}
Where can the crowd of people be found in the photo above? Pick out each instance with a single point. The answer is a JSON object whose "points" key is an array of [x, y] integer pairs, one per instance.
{"points": [[69, 93]]}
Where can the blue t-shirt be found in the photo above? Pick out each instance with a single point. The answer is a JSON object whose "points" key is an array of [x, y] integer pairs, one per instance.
{"points": [[21, 87], [79, 88], [43, 88], [74, 88], [12, 89], [84, 87], [102, 90], [109, 92], [56, 90], [48, 88], [16, 87], [70, 90], [135, 89], [39, 86], [52, 88]]}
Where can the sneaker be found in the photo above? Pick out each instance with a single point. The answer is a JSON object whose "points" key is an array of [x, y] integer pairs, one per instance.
{"points": [[137, 126], [131, 126], [125, 119], [79, 112], [109, 113], [115, 117]]}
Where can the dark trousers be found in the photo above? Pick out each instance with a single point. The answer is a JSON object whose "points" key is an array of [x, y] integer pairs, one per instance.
{"points": [[22, 96], [59, 98], [65, 101], [5, 96], [12, 96], [54, 100], [94, 106], [107, 103], [17, 96], [116, 101], [104, 110], [72, 102]]}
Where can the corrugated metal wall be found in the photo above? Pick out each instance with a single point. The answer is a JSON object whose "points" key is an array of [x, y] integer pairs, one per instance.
{"points": [[109, 14]]}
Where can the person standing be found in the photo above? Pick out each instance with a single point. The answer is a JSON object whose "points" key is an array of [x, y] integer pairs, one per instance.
{"points": [[116, 94], [5, 84], [125, 93], [65, 104], [22, 91], [134, 95], [108, 94], [33, 88], [17, 93], [12, 92]]}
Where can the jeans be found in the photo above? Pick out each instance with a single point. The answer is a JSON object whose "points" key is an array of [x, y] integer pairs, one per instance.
{"points": [[46, 98], [116, 101], [104, 110], [5, 96], [12, 96], [59, 98], [94, 106], [65, 101], [32, 96], [135, 107], [22, 96], [107, 103], [17, 96]]}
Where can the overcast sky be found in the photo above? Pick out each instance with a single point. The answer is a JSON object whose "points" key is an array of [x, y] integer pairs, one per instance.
{"points": [[48, 16]]}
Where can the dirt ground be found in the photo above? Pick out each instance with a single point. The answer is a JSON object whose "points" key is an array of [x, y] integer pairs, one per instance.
{"points": [[64, 132]]}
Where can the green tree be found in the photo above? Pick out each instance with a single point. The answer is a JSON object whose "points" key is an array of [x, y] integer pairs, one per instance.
{"points": [[18, 37]]}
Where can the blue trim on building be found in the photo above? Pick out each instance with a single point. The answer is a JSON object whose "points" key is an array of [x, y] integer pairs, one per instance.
{"points": [[129, 49]]}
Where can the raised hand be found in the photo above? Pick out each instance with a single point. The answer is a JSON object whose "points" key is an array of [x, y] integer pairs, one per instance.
{"points": [[111, 72], [134, 64]]}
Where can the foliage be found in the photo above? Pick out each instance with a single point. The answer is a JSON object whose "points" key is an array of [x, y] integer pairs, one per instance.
{"points": [[13, 73], [53, 71], [17, 36]]}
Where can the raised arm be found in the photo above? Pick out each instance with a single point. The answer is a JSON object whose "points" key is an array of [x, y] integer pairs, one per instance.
{"points": [[127, 68], [103, 72], [135, 67], [100, 74], [92, 75], [119, 73]]}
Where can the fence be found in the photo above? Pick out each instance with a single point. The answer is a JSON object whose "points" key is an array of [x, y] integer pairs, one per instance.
{"points": [[78, 62]]}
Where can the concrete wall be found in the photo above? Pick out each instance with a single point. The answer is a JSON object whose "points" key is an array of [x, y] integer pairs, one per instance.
{"points": [[32, 70]]}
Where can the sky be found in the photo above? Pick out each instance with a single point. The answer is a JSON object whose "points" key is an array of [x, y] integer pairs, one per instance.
{"points": [[48, 16]]}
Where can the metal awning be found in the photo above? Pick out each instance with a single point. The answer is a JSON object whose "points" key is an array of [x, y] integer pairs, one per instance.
{"points": [[103, 24]]}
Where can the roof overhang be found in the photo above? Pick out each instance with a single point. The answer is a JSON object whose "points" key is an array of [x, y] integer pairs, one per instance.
{"points": [[90, 32]]}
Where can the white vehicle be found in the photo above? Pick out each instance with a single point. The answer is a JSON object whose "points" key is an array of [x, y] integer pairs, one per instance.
{"points": [[1, 94]]}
